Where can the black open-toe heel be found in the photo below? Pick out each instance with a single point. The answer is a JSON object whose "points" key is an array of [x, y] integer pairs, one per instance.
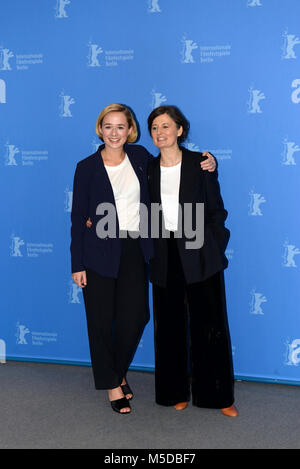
{"points": [[120, 404], [126, 390]]}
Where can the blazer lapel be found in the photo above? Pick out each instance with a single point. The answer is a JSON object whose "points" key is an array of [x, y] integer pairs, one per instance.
{"points": [[102, 176], [138, 169], [188, 177], [154, 180]]}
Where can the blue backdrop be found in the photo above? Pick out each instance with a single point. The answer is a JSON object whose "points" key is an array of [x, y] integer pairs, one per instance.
{"points": [[233, 67]]}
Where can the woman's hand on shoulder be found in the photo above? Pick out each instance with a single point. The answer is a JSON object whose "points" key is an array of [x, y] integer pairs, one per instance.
{"points": [[209, 164], [80, 278]]}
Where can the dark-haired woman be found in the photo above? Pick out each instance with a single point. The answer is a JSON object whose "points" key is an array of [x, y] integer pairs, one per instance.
{"points": [[192, 341], [111, 267]]}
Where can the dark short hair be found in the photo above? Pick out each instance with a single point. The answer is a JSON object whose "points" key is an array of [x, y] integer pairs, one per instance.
{"points": [[176, 115]]}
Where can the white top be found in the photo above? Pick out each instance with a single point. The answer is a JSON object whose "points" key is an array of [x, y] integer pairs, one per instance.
{"points": [[126, 189], [169, 188]]}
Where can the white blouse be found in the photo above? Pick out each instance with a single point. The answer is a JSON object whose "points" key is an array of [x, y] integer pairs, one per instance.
{"points": [[169, 187], [126, 189]]}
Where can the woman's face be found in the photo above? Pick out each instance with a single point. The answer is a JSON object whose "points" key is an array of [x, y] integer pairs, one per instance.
{"points": [[115, 130], [164, 131]]}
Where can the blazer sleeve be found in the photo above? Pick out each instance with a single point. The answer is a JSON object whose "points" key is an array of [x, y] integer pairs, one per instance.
{"points": [[215, 213], [79, 215]]}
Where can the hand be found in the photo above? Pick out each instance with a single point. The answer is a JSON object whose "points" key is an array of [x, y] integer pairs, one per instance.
{"points": [[80, 278], [88, 223], [209, 164]]}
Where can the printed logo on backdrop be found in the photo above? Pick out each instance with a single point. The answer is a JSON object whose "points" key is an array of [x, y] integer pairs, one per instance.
{"points": [[68, 199], [60, 8], [290, 251], [65, 102], [11, 152], [256, 301], [2, 91], [16, 244], [94, 51], [220, 154], [153, 6], [141, 343], [23, 61], [296, 94], [205, 54], [229, 253], [292, 352], [25, 157], [95, 145], [289, 42], [157, 99], [192, 147], [210, 53], [37, 338], [20, 248], [188, 45], [98, 57], [255, 96], [290, 148], [254, 3], [256, 200], [74, 292], [21, 333], [5, 56], [2, 351]]}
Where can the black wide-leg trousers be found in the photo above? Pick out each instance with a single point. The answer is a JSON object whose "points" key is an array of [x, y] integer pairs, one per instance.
{"points": [[117, 311], [192, 341]]}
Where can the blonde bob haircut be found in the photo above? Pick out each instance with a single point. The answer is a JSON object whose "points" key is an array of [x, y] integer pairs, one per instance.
{"points": [[129, 116]]}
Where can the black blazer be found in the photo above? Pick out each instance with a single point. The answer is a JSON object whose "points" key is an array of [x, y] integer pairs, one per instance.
{"points": [[92, 187], [196, 185]]}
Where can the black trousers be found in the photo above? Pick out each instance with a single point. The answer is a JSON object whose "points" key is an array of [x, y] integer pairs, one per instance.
{"points": [[192, 341], [117, 311]]}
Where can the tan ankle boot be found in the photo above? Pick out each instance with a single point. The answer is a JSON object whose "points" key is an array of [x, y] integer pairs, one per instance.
{"points": [[230, 411], [181, 405]]}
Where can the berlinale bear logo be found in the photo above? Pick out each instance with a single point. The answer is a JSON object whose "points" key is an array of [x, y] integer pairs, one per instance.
{"points": [[2, 351], [60, 10], [5, 56], [296, 94], [2, 91]]}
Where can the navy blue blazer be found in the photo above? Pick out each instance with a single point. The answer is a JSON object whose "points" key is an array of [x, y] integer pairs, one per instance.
{"points": [[92, 187]]}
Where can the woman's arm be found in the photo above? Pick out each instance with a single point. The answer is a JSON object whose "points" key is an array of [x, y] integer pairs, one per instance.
{"points": [[209, 164]]}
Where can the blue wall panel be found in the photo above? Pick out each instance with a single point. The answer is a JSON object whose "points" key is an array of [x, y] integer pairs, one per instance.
{"points": [[233, 67]]}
